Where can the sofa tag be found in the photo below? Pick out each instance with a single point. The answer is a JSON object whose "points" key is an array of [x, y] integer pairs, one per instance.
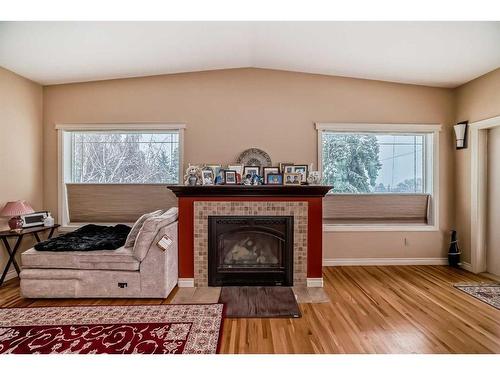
{"points": [[165, 242]]}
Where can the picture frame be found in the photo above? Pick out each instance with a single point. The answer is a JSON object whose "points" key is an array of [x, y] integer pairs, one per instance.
{"points": [[292, 178], [230, 177], [207, 177], [314, 178], [303, 170], [239, 171], [288, 168], [274, 179], [251, 170], [282, 165], [214, 167], [219, 177], [269, 170]]}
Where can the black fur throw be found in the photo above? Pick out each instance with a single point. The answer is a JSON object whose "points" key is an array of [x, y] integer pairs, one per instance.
{"points": [[87, 238]]}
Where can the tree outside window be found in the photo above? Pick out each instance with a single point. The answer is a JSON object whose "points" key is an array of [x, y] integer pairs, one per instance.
{"points": [[366, 163], [124, 157]]}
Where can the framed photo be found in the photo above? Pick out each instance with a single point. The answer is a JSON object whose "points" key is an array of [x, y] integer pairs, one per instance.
{"points": [[314, 178], [282, 165], [288, 168], [274, 179], [239, 171], [219, 177], [268, 170], [207, 177], [302, 169], [214, 167], [230, 177], [292, 178], [251, 170]]}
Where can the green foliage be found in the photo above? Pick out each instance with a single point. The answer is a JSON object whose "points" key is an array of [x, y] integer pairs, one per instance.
{"points": [[350, 162]]}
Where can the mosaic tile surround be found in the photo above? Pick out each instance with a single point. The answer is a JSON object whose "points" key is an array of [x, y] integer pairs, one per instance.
{"points": [[204, 209]]}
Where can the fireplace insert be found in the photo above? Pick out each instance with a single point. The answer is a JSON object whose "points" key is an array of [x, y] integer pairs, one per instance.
{"points": [[250, 250]]}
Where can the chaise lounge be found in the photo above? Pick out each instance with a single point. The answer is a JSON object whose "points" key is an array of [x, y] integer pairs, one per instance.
{"points": [[142, 271]]}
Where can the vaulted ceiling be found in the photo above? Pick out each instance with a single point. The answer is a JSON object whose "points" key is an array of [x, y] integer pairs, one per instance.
{"points": [[444, 54]]}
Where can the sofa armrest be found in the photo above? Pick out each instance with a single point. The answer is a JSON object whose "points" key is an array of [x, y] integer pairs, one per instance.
{"points": [[159, 269]]}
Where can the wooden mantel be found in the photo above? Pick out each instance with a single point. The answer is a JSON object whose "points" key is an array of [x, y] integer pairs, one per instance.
{"points": [[312, 194], [250, 190]]}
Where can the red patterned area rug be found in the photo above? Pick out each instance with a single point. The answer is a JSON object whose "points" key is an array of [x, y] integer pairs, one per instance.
{"points": [[151, 329]]}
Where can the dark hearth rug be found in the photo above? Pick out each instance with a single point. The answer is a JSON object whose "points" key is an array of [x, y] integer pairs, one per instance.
{"points": [[259, 302], [488, 293], [151, 329]]}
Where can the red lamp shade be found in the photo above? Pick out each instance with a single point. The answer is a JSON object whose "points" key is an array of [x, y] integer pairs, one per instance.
{"points": [[16, 209]]}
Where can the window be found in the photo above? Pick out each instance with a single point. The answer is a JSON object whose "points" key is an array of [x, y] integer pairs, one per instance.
{"points": [[94, 158], [382, 163], [123, 157], [373, 162]]}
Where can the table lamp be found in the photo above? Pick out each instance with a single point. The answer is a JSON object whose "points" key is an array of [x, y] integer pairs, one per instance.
{"points": [[14, 210]]}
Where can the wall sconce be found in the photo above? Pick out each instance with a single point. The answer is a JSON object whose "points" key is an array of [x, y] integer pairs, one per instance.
{"points": [[461, 134]]}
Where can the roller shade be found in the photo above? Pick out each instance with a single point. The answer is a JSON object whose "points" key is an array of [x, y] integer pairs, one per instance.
{"points": [[376, 208], [116, 203]]}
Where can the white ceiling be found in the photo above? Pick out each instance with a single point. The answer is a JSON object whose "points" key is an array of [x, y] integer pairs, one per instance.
{"points": [[445, 54]]}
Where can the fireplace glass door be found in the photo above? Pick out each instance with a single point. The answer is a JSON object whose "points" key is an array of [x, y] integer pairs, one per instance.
{"points": [[250, 250]]}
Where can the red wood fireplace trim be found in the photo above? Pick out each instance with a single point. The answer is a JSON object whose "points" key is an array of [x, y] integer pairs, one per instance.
{"points": [[314, 227]]}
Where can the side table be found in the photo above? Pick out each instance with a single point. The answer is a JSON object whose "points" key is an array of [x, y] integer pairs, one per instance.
{"points": [[4, 235]]}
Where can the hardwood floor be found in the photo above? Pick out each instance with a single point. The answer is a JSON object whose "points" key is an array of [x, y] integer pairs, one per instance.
{"points": [[377, 309]]}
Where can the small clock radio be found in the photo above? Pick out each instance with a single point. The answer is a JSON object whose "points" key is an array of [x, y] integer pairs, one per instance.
{"points": [[34, 219]]}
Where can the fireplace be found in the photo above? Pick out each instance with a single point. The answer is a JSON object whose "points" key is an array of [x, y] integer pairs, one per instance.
{"points": [[250, 250], [198, 203]]}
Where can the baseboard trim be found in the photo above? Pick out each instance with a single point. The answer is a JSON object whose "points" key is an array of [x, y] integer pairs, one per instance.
{"points": [[384, 261], [314, 282], [185, 283], [466, 266]]}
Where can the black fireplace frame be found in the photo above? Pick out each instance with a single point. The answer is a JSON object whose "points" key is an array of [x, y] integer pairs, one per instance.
{"points": [[242, 276]]}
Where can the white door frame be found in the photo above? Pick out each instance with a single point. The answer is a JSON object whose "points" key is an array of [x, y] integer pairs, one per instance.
{"points": [[478, 136]]}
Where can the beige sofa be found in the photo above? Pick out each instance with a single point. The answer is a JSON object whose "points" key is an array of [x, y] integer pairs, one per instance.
{"points": [[144, 271]]}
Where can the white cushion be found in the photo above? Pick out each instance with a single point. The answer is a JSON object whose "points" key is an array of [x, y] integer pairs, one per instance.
{"points": [[149, 231], [129, 242]]}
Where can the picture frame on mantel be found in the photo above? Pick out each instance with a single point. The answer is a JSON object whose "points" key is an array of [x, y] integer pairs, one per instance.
{"points": [[269, 170], [303, 170], [282, 166], [251, 170], [292, 178], [274, 179], [214, 167], [207, 177], [230, 177]]}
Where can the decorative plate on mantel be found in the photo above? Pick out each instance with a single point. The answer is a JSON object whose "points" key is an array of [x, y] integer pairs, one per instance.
{"points": [[254, 157]]}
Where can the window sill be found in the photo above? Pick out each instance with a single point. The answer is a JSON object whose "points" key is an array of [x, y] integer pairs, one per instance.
{"points": [[380, 228]]}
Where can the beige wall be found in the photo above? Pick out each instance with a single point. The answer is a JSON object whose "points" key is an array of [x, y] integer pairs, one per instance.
{"points": [[493, 205], [20, 144], [228, 111], [477, 100]]}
